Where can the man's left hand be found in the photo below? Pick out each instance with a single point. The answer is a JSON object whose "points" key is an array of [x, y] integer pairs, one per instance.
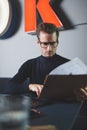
{"points": [[81, 93]]}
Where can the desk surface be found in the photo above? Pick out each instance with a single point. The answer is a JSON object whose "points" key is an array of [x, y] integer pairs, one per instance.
{"points": [[62, 114], [81, 121]]}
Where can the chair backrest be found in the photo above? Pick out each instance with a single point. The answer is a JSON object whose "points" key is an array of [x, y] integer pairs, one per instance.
{"points": [[3, 82]]}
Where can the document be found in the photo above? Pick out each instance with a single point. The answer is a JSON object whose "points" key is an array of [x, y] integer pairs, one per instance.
{"points": [[73, 67]]}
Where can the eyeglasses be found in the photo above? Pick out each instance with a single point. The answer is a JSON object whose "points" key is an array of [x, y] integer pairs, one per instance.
{"points": [[46, 44]]}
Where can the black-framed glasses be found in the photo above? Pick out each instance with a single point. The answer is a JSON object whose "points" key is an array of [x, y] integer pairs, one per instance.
{"points": [[46, 44]]}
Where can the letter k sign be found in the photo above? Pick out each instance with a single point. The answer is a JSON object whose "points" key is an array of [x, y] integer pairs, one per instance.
{"points": [[46, 13]]}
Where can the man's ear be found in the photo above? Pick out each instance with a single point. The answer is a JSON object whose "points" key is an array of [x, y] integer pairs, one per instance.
{"points": [[38, 41]]}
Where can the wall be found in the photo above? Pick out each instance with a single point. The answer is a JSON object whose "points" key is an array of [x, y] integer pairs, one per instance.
{"points": [[22, 46]]}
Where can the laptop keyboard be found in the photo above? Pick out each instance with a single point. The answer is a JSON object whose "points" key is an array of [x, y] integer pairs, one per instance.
{"points": [[35, 102]]}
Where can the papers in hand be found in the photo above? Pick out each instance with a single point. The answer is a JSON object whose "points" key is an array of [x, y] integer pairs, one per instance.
{"points": [[75, 66]]}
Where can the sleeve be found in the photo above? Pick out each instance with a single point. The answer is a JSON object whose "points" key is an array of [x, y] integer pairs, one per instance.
{"points": [[19, 83]]}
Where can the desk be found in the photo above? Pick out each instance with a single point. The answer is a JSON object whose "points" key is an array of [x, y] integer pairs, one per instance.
{"points": [[62, 114], [81, 121]]}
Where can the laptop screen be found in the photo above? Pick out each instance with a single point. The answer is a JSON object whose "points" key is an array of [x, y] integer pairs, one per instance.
{"points": [[62, 86]]}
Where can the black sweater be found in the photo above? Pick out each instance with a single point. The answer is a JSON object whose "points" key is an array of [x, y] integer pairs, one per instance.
{"points": [[35, 70]]}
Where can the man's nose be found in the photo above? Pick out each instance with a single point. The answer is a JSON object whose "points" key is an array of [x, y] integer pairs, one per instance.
{"points": [[49, 47]]}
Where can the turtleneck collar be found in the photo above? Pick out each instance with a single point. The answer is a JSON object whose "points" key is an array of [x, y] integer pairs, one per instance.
{"points": [[49, 58]]}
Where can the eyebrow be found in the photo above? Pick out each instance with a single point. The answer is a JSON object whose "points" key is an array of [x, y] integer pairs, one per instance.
{"points": [[48, 42]]}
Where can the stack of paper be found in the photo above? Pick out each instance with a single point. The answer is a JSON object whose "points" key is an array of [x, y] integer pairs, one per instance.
{"points": [[75, 66]]}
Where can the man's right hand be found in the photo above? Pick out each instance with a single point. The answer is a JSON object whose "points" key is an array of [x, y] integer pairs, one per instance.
{"points": [[36, 88]]}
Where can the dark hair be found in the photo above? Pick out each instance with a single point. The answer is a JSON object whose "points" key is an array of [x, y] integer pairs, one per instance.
{"points": [[48, 28]]}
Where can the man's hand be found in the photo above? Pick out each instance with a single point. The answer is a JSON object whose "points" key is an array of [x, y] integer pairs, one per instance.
{"points": [[81, 93], [36, 88]]}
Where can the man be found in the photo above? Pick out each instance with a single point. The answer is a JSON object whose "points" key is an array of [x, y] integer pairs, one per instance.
{"points": [[37, 68]]}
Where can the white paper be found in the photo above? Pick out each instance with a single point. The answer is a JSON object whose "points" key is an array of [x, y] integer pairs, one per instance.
{"points": [[75, 66]]}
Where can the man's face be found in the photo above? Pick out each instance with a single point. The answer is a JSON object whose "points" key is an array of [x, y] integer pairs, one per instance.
{"points": [[48, 43]]}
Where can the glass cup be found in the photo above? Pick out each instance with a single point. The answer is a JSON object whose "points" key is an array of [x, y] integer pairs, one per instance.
{"points": [[14, 112]]}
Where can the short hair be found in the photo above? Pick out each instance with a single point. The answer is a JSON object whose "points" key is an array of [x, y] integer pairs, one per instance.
{"points": [[48, 28]]}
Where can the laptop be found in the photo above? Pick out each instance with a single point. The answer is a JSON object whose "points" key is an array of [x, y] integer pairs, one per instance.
{"points": [[62, 86], [58, 88]]}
